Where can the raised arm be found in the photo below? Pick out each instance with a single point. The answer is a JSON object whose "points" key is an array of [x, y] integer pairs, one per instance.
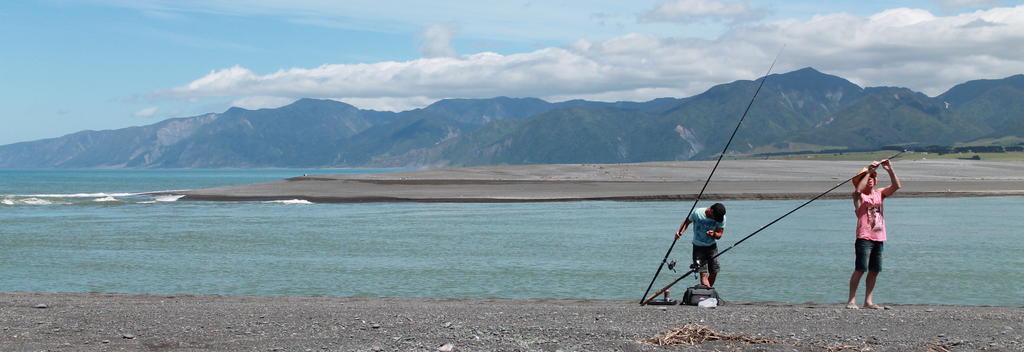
{"points": [[893, 180]]}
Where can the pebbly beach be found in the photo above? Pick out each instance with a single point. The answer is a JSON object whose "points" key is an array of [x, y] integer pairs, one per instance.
{"points": [[123, 322]]}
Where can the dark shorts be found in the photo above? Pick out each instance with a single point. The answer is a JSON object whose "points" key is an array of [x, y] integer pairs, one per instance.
{"points": [[869, 255], [705, 254]]}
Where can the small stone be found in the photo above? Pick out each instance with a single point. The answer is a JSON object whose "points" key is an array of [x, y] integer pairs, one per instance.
{"points": [[105, 341], [41, 306], [376, 348], [127, 336], [448, 324], [929, 310], [885, 329], [375, 326], [446, 348]]}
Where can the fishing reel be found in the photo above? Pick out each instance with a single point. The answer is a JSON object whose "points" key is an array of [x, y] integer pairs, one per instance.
{"points": [[695, 267], [672, 265]]}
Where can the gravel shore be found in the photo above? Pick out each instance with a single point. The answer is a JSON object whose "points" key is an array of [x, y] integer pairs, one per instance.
{"points": [[123, 322], [734, 179]]}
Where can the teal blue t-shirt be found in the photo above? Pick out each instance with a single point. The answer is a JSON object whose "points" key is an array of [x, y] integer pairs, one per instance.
{"points": [[701, 225]]}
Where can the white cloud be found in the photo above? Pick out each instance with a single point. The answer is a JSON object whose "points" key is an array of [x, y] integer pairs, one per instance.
{"points": [[902, 47], [622, 64], [437, 41], [147, 112], [389, 103], [690, 11], [262, 102]]}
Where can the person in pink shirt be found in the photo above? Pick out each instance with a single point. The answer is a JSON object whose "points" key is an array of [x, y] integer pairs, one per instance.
{"points": [[867, 203]]}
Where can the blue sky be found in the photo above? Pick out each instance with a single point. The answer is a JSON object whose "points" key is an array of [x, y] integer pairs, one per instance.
{"points": [[68, 66]]}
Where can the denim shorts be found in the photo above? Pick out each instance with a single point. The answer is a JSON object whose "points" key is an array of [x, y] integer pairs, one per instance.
{"points": [[705, 254], [869, 255]]}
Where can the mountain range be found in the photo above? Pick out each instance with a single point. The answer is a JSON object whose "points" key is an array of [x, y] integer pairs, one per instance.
{"points": [[800, 110]]}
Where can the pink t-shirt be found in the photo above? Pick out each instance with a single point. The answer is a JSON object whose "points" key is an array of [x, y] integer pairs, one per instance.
{"points": [[870, 222]]}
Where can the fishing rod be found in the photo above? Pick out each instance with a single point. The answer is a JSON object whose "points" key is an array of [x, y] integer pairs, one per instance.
{"points": [[699, 195], [694, 268]]}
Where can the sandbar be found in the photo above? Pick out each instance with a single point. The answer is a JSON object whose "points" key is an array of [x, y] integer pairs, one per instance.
{"points": [[652, 181]]}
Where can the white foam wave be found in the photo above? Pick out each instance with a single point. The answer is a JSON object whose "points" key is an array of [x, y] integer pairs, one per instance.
{"points": [[290, 201], [7, 202], [35, 201], [78, 195], [167, 198], [105, 199]]}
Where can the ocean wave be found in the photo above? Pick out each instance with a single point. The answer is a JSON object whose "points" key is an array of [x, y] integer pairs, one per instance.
{"points": [[78, 195], [8, 200], [167, 198], [290, 201], [84, 198], [34, 201]]}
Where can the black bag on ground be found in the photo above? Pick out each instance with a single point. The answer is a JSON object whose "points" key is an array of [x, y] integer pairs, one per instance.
{"points": [[698, 293]]}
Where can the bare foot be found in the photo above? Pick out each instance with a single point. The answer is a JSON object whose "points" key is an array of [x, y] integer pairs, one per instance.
{"points": [[852, 306], [873, 306]]}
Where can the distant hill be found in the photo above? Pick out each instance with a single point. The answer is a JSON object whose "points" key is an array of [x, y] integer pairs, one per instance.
{"points": [[885, 116], [993, 105], [799, 110]]}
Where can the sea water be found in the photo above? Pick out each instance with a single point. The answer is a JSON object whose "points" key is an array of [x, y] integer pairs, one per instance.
{"points": [[92, 231]]}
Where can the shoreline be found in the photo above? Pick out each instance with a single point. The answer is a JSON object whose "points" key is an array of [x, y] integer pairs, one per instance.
{"points": [[654, 181], [111, 321], [639, 198]]}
